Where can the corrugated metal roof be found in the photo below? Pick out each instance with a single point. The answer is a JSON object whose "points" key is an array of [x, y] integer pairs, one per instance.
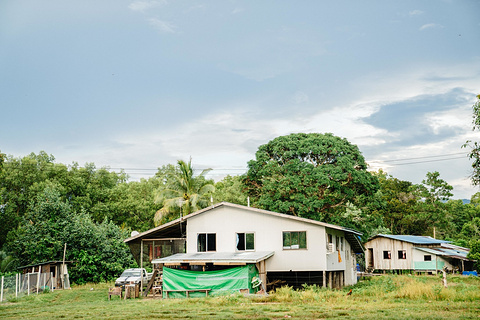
{"points": [[43, 263], [413, 239], [458, 254], [225, 257]]}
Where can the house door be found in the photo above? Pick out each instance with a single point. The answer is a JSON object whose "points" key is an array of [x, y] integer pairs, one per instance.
{"points": [[370, 258]]}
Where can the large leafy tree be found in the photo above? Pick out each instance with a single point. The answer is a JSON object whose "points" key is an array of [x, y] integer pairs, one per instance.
{"points": [[432, 211], [182, 192], [309, 175], [433, 189], [475, 145]]}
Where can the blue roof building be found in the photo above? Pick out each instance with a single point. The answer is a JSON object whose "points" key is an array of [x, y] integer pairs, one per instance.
{"points": [[398, 253]]}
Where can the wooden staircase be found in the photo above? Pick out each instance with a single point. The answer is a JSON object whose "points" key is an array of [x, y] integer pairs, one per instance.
{"points": [[155, 283]]}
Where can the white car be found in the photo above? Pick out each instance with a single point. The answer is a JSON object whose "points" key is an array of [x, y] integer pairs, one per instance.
{"points": [[133, 275]]}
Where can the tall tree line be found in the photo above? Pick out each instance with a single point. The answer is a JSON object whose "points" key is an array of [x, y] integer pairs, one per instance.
{"points": [[316, 176]]}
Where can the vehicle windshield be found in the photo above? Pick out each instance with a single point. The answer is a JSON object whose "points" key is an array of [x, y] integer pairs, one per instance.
{"points": [[131, 273]]}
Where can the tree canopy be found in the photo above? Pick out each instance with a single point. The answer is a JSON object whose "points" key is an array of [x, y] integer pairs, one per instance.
{"points": [[97, 250], [309, 175]]}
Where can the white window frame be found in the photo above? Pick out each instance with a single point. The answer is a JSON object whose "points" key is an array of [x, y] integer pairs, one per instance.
{"points": [[294, 247]]}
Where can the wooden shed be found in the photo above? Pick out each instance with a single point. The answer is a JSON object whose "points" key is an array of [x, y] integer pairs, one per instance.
{"points": [[53, 274], [399, 253]]}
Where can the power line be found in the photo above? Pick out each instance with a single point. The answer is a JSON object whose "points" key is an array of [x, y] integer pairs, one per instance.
{"points": [[403, 164], [216, 170], [426, 157], [236, 170]]}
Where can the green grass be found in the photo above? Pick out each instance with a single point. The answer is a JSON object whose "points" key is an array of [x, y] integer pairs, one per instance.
{"points": [[385, 297]]}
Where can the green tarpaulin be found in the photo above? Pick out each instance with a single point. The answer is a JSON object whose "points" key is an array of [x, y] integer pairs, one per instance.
{"points": [[220, 282]]}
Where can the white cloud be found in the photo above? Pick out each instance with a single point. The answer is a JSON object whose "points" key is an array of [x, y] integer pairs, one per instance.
{"points": [[142, 6], [237, 10], [430, 26], [300, 97], [162, 26], [415, 12]]}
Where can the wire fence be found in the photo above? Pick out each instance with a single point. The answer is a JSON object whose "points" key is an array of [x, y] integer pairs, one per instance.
{"points": [[19, 285]]}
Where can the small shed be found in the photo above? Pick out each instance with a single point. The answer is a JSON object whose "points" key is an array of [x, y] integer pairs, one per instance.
{"points": [[399, 253], [51, 274]]}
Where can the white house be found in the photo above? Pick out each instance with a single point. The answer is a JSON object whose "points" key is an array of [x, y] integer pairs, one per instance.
{"points": [[283, 247], [416, 253]]}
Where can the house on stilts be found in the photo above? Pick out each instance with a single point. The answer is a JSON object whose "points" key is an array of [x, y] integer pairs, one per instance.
{"points": [[259, 246]]}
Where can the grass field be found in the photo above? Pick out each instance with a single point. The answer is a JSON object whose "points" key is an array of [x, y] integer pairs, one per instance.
{"points": [[385, 297]]}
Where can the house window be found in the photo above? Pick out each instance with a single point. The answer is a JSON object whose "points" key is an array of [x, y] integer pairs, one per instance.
{"points": [[245, 241], [337, 243], [341, 243], [294, 240], [402, 254], [427, 257], [387, 255], [206, 242]]}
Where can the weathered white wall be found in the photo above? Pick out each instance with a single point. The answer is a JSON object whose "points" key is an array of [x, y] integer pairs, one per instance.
{"points": [[268, 229], [350, 267], [381, 244]]}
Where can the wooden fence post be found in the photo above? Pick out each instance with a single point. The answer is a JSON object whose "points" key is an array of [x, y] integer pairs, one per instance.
{"points": [[38, 277], [1, 291]]}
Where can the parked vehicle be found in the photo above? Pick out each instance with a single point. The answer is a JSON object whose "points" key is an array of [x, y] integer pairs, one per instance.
{"points": [[133, 275]]}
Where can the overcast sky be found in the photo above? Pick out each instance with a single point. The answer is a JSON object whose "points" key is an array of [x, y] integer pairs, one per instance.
{"points": [[140, 84]]}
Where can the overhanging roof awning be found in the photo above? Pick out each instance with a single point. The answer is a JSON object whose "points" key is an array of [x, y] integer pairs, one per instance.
{"points": [[218, 258], [355, 242], [445, 253]]}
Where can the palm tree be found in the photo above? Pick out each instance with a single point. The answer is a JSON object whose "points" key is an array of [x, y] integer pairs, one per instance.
{"points": [[183, 193]]}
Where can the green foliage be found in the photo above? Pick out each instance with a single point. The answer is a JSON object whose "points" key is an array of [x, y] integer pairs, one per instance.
{"points": [[6, 263], [2, 160], [474, 254], [434, 189], [132, 204], [87, 188], [97, 250], [475, 145], [182, 192], [471, 229], [230, 189], [309, 175], [417, 209]]}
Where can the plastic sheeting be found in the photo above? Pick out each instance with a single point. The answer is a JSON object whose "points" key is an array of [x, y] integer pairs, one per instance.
{"points": [[219, 282]]}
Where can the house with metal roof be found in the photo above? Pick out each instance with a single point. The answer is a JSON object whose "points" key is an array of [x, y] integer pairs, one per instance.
{"points": [[283, 248], [399, 253]]}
